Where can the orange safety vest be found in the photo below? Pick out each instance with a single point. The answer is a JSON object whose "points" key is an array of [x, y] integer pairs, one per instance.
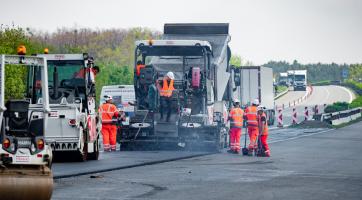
{"points": [[166, 90], [265, 131], [236, 117], [107, 111], [138, 69], [250, 113]]}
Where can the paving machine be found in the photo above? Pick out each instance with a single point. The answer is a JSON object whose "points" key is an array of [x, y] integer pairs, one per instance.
{"points": [[25, 157], [198, 55], [73, 128]]}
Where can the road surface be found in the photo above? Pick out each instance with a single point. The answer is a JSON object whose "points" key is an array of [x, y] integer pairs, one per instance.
{"points": [[320, 95], [322, 166]]}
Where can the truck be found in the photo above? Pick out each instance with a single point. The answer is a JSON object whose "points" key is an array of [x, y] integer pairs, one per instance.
{"points": [[283, 79], [255, 82], [198, 55], [298, 79], [123, 97], [73, 127]]}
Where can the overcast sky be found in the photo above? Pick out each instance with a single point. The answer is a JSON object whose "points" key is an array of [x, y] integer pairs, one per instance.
{"points": [[261, 30]]}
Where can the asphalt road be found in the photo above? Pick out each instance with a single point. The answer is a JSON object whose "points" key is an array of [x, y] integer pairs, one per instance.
{"points": [[321, 95], [327, 165]]}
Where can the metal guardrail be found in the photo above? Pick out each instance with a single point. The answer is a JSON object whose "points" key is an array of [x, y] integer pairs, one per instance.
{"points": [[341, 117]]}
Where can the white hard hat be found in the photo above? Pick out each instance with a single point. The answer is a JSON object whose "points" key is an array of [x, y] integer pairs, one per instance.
{"points": [[170, 75], [256, 102], [261, 108], [107, 97], [236, 100]]}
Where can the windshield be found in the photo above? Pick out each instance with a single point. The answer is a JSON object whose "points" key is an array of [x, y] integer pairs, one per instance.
{"points": [[67, 70], [299, 78]]}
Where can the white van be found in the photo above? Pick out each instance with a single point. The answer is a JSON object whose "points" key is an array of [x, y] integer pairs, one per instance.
{"points": [[122, 95]]}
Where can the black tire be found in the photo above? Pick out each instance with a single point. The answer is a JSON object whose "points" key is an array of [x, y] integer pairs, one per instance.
{"points": [[95, 154], [83, 154]]}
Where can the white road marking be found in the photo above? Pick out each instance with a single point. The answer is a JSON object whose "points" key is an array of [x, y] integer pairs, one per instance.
{"points": [[293, 138], [351, 95]]}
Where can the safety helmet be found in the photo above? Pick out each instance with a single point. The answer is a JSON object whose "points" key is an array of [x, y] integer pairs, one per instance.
{"points": [[107, 97], [236, 100], [261, 108], [170, 75], [256, 102]]}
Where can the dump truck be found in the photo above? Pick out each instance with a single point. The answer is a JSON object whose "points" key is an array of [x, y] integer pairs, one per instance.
{"points": [[198, 55], [255, 82], [73, 127], [25, 157]]}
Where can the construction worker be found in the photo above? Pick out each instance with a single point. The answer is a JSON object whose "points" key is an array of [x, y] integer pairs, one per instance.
{"points": [[252, 125], [139, 66], [93, 73], [263, 128], [236, 123], [165, 91], [109, 130]]}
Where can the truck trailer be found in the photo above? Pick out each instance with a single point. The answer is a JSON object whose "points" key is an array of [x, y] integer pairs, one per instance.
{"points": [[255, 82], [198, 55]]}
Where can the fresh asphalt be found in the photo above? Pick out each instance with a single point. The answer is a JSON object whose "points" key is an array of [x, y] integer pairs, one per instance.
{"points": [[322, 165]]}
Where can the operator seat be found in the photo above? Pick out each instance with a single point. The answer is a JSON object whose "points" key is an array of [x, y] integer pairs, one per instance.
{"points": [[16, 117]]}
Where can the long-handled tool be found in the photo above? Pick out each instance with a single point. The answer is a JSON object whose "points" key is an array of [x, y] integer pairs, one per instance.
{"points": [[244, 149]]}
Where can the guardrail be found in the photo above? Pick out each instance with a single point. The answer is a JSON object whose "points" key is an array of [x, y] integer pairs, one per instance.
{"points": [[341, 117], [281, 94]]}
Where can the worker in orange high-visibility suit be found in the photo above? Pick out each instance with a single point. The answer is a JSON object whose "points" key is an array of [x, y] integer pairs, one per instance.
{"points": [[165, 92], [109, 130], [236, 123], [139, 66], [252, 125], [263, 127]]}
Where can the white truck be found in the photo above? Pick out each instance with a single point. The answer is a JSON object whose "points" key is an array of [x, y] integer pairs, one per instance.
{"points": [[298, 79], [255, 82], [73, 130], [283, 79]]}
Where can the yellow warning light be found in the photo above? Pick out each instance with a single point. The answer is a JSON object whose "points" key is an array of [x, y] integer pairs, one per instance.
{"points": [[21, 50], [46, 51]]}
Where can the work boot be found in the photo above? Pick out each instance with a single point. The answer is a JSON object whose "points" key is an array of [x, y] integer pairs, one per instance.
{"points": [[250, 152]]}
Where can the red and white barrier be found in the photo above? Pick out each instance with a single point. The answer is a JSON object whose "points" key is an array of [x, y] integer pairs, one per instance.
{"points": [[306, 113], [294, 116], [280, 118]]}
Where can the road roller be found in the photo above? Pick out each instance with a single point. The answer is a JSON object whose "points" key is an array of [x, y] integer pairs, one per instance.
{"points": [[25, 158]]}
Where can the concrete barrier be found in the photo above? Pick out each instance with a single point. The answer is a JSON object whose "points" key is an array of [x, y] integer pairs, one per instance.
{"points": [[342, 117]]}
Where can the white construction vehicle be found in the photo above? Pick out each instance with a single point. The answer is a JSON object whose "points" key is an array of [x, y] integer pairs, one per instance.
{"points": [[73, 131], [25, 157]]}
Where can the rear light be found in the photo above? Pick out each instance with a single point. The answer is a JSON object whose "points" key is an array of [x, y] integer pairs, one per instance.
{"points": [[72, 122], [39, 155], [6, 143], [40, 144]]}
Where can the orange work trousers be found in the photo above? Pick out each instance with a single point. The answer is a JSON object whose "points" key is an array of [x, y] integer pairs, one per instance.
{"points": [[109, 132], [235, 134], [253, 132]]}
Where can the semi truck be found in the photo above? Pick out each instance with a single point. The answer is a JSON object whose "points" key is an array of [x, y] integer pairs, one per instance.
{"points": [[73, 128], [198, 55], [255, 82], [298, 79]]}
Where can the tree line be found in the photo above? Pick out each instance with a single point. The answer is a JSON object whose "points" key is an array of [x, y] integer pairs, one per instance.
{"points": [[113, 51]]}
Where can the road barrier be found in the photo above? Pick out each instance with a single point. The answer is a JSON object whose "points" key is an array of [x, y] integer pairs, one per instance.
{"points": [[341, 117], [306, 113], [295, 121], [280, 118]]}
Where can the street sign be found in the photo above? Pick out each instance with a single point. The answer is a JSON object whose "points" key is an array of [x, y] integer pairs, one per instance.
{"points": [[345, 73]]}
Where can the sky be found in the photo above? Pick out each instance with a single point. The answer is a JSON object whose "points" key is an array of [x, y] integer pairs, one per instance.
{"points": [[308, 31]]}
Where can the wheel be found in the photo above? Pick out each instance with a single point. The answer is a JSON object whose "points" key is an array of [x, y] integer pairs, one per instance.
{"points": [[83, 153], [95, 154]]}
